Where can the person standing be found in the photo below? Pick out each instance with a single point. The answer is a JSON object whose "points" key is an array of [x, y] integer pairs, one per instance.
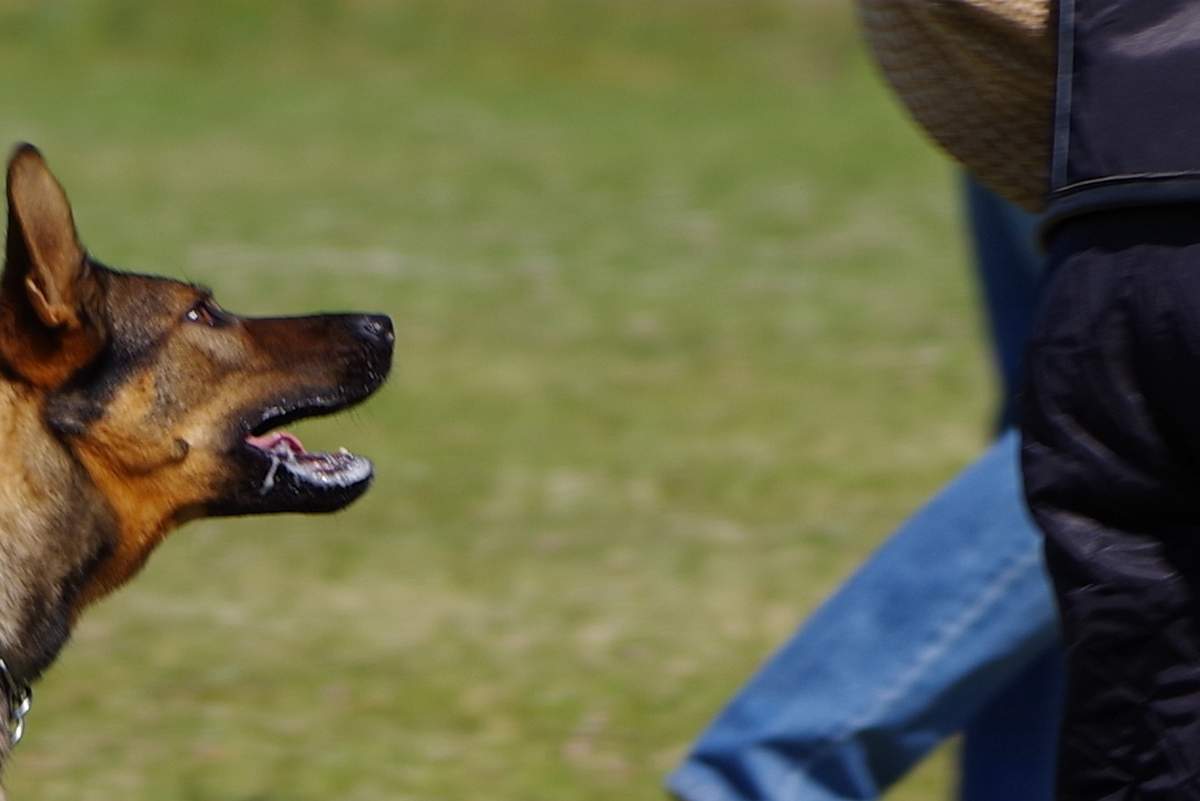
{"points": [[1110, 430], [951, 624], [949, 627]]}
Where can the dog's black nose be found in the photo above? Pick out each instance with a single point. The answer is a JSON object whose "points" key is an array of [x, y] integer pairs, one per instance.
{"points": [[376, 328]]}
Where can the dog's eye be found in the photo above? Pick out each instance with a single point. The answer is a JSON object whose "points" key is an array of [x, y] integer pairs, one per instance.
{"points": [[205, 312]]}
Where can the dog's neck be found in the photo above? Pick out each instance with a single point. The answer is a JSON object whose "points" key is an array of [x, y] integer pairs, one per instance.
{"points": [[6, 743], [54, 528]]}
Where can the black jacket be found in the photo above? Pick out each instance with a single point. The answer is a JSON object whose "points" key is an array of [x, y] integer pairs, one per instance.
{"points": [[1111, 409]]}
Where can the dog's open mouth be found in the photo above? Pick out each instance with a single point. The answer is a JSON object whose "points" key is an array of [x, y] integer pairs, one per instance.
{"points": [[318, 469], [276, 473]]}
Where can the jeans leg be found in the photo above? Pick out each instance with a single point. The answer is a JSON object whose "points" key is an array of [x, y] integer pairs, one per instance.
{"points": [[949, 610], [1010, 747], [1009, 270]]}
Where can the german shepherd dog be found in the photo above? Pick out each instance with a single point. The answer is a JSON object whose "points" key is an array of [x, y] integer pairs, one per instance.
{"points": [[130, 404]]}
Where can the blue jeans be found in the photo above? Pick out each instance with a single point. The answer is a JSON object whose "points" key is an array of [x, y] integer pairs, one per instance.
{"points": [[949, 627]]}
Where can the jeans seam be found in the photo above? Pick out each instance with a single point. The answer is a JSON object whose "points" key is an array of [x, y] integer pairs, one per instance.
{"points": [[942, 641]]}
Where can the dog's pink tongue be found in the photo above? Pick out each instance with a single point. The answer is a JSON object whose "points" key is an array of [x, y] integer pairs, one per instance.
{"points": [[271, 441]]}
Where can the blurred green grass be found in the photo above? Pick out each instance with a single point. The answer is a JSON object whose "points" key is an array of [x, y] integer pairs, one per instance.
{"points": [[683, 331]]}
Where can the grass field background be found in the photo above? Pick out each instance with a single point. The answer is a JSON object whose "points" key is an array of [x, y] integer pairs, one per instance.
{"points": [[684, 330]]}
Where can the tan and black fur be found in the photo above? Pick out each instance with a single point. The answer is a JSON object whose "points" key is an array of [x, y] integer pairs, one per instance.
{"points": [[126, 403]]}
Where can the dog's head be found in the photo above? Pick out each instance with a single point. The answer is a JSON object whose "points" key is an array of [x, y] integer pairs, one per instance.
{"points": [[170, 402]]}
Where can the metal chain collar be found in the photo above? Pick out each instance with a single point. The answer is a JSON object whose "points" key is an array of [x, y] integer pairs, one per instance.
{"points": [[19, 697]]}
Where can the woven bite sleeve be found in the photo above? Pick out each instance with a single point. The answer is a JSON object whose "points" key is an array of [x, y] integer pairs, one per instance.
{"points": [[978, 76]]}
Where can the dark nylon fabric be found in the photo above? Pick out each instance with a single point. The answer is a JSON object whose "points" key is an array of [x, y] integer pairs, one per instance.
{"points": [[1111, 413], [1111, 458], [1127, 119], [1134, 97]]}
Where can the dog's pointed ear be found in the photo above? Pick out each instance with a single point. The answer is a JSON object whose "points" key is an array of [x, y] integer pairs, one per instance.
{"points": [[49, 296], [42, 229]]}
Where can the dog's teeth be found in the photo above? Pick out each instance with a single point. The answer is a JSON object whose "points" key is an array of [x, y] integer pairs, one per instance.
{"points": [[269, 481]]}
